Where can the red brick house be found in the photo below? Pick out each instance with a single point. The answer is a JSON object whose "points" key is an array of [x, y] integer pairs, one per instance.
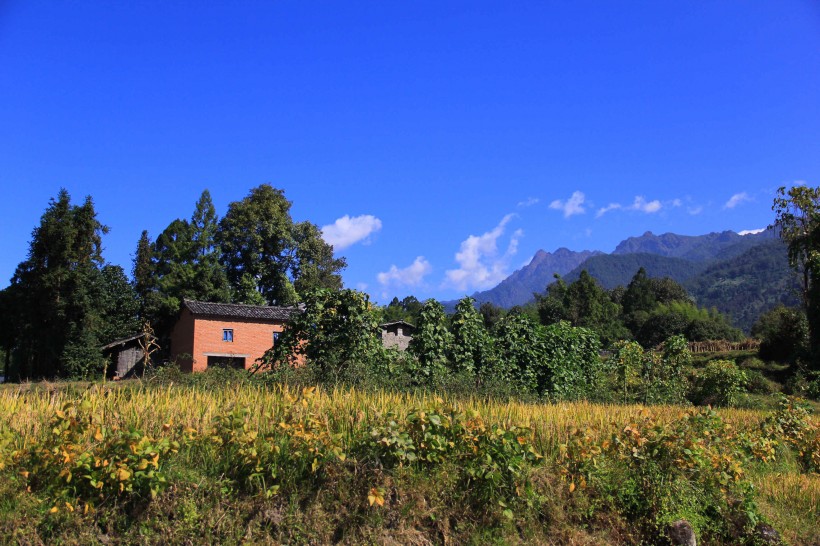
{"points": [[225, 334]]}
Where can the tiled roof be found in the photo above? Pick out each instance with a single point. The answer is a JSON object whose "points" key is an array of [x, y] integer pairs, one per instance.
{"points": [[238, 310], [395, 323]]}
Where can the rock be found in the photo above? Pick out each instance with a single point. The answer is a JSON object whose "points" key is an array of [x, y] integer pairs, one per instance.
{"points": [[681, 533], [766, 534]]}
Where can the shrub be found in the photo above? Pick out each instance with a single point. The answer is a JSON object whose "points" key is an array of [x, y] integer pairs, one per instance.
{"points": [[81, 461], [792, 424], [493, 459], [295, 452], [720, 383], [757, 383], [654, 474]]}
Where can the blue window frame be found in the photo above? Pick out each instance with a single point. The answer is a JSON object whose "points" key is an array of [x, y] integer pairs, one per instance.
{"points": [[227, 335]]}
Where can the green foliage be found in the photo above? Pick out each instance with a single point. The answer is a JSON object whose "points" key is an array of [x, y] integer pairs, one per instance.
{"points": [[337, 331], [688, 469], [265, 252], [573, 366], [684, 318], [783, 333], [627, 361], [662, 372], [522, 357], [494, 459], [720, 383], [583, 303], [792, 425], [797, 213], [746, 285], [654, 473], [407, 310], [80, 461], [473, 347], [295, 452], [183, 263], [65, 302], [431, 344]]}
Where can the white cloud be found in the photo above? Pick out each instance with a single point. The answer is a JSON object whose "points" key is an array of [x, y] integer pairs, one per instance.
{"points": [[642, 205], [609, 207], [572, 206], [361, 286], [737, 199], [528, 202], [412, 275], [349, 230], [694, 211], [751, 231], [480, 264], [676, 202]]}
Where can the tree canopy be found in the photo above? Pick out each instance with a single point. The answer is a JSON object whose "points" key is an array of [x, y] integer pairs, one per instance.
{"points": [[797, 216]]}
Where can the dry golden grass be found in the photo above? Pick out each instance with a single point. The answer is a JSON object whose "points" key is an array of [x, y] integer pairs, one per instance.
{"points": [[27, 410]]}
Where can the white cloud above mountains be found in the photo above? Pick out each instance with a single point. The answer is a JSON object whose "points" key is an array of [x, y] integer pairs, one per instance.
{"points": [[412, 275], [347, 230], [572, 206], [751, 231], [481, 265], [640, 204], [736, 200]]}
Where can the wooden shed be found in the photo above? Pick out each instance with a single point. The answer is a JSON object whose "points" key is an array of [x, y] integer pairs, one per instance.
{"points": [[397, 334], [126, 355]]}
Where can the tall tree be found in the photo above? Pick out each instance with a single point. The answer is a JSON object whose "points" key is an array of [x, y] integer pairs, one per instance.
{"points": [[797, 216], [182, 263], [266, 254], [473, 348], [56, 286], [431, 344]]}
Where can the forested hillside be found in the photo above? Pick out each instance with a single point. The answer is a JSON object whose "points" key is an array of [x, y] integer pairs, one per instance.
{"points": [[747, 285]]}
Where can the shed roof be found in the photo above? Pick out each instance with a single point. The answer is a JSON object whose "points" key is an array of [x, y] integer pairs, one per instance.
{"points": [[396, 323], [125, 340], [239, 310]]}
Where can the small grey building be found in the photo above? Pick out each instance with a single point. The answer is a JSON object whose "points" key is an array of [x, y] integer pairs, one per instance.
{"points": [[397, 334], [125, 354]]}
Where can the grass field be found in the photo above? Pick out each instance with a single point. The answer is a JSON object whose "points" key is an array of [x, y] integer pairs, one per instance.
{"points": [[333, 467]]}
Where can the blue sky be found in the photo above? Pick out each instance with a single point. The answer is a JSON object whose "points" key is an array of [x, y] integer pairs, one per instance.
{"points": [[440, 143]]}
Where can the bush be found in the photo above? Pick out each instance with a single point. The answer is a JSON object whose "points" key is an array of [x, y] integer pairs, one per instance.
{"points": [[757, 383], [720, 383], [654, 474], [82, 462]]}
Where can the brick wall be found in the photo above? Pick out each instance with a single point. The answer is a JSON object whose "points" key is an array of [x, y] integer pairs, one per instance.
{"points": [[182, 341], [251, 338]]}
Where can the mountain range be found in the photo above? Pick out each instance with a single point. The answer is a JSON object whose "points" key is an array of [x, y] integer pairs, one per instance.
{"points": [[740, 275]]}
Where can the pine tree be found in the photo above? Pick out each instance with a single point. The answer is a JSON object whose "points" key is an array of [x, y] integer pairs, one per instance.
{"points": [[56, 285]]}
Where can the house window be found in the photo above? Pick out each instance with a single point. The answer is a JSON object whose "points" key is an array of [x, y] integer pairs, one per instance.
{"points": [[227, 335], [275, 337]]}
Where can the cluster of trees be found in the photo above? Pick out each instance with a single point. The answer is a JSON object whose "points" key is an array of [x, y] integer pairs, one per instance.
{"points": [[64, 301], [647, 310], [338, 337], [255, 254]]}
